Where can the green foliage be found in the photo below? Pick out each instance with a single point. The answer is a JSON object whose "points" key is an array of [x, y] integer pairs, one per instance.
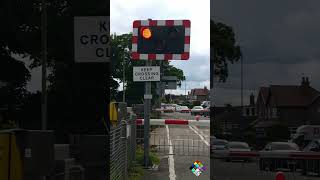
{"points": [[225, 50]]}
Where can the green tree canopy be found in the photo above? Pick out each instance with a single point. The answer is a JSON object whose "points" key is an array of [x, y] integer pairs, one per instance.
{"points": [[225, 50]]}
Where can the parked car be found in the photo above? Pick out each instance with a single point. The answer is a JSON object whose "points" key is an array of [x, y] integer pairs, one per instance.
{"points": [[236, 146], [206, 112], [275, 156], [197, 110], [313, 146], [169, 109], [178, 108], [219, 148], [184, 109]]}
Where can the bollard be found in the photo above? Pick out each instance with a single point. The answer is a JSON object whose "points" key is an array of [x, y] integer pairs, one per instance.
{"points": [[197, 117], [280, 176]]}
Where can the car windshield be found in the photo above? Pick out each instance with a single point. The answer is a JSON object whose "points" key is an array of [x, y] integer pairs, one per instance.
{"points": [[219, 142], [184, 107], [239, 145], [284, 146]]}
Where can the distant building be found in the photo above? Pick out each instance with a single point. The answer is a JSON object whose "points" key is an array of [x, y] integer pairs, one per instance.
{"points": [[291, 106], [199, 94], [234, 120]]}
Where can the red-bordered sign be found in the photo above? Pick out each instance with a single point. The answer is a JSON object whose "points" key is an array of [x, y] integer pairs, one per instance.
{"points": [[148, 23]]}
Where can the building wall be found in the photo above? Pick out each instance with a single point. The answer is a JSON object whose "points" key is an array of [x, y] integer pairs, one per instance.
{"points": [[293, 116], [314, 112]]}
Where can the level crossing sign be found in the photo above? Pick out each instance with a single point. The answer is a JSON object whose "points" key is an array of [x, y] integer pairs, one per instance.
{"points": [[161, 40]]}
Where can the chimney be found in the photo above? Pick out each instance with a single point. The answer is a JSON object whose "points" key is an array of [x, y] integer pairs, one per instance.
{"points": [[252, 100], [305, 82]]}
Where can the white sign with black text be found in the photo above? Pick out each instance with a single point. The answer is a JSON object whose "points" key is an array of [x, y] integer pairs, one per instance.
{"points": [[91, 38], [146, 73]]}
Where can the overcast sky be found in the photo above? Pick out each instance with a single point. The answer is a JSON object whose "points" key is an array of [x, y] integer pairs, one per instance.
{"points": [[196, 69], [280, 42]]}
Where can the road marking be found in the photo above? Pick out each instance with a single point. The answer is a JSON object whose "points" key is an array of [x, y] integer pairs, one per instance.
{"points": [[202, 138], [172, 173], [200, 132]]}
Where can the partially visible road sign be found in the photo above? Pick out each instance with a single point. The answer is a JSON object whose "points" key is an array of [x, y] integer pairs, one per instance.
{"points": [[161, 40], [146, 73], [91, 39]]}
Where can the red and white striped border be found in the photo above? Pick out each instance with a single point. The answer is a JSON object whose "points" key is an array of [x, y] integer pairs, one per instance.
{"points": [[147, 23]]}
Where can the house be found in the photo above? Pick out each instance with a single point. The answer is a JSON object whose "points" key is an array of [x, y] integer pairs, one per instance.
{"points": [[199, 94], [233, 121], [288, 105]]}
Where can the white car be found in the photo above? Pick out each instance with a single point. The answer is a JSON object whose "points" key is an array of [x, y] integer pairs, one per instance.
{"points": [[219, 148], [236, 146], [274, 156], [184, 109], [197, 110]]}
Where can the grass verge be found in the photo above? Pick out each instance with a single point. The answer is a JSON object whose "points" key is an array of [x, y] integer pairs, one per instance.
{"points": [[136, 168]]}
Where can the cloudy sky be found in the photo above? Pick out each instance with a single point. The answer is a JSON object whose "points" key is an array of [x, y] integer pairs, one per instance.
{"points": [[196, 69], [280, 43]]}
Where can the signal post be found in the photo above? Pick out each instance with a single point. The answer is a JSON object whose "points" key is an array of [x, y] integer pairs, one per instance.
{"points": [[157, 40]]}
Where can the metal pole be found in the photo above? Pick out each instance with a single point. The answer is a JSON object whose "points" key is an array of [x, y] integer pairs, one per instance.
{"points": [[147, 105], [185, 88], [241, 82], [44, 65]]}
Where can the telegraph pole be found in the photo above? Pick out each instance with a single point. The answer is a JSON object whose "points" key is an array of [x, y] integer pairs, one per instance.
{"points": [[241, 81], [44, 65]]}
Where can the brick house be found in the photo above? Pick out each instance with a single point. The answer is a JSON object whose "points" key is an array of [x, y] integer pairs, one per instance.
{"points": [[199, 94], [288, 105]]}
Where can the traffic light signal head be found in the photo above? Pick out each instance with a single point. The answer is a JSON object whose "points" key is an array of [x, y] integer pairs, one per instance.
{"points": [[161, 40], [146, 33]]}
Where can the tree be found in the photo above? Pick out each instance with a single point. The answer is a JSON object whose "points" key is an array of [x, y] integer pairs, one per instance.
{"points": [[78, 93], [121, 60], [225, 50]]}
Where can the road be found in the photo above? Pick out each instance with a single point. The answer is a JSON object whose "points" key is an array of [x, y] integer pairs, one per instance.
{"points": [[189, 143], [248, 171]]}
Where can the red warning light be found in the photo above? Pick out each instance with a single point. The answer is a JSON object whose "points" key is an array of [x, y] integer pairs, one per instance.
{"points": [[146, 33]]}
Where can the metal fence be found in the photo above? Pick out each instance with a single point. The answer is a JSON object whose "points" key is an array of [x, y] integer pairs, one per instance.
{"points": [[166, 142], [122, 147]]}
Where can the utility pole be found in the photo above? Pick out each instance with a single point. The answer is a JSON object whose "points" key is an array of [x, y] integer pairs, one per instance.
{"points": [[44, 65], [185, 87], [241, 81]]}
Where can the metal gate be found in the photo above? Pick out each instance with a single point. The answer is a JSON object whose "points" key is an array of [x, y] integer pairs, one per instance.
{"points": [[176, 137]]}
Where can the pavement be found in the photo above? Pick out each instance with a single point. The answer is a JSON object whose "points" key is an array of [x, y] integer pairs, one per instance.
{"points": [[179, 146]]}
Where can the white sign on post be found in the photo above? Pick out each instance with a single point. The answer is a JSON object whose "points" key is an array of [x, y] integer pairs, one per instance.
{"points": [[146, 73], [91, 39]]}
